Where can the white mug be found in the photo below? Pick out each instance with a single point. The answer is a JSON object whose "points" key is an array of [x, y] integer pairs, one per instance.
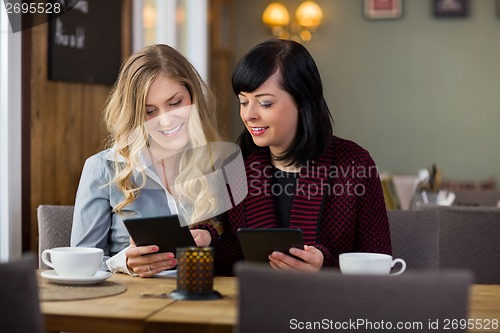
{"points": [[74, 261], [369, 263]]}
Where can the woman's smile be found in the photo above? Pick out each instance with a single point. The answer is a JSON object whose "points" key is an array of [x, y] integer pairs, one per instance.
{"points": [[256, 131], [173, 131]]}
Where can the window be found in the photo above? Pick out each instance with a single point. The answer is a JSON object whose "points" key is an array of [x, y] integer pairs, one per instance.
{"points": [[182, 24], [10, 140]]}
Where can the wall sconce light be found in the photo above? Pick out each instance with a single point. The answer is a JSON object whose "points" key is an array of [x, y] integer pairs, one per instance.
{"points": [[307, 18]]}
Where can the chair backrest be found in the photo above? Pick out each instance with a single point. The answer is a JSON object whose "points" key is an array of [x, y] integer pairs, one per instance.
{"points": [[54, 228], [274, 301], [469, 238], [415, 238], [448, 237], [19, 299], [487, 198]]}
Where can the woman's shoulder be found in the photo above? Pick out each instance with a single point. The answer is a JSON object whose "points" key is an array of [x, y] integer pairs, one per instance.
{"points": [[344, 144], [348, 151], [97, 168], [102, 156], [101, 160]]}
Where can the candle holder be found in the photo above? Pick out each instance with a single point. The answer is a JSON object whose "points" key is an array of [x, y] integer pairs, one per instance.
{"points": [[195, 274]]}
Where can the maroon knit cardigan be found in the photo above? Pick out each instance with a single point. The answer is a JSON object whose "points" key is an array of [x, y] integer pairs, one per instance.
{"points": [[339, 205]]}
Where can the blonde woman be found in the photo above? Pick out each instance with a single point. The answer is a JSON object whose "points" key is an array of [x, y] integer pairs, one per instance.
{"points": [[162, 125]]}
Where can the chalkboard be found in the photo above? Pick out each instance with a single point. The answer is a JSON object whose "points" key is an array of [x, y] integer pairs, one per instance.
{"points": [[85, 42]]}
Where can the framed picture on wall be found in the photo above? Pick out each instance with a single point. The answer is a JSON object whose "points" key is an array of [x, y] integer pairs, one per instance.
{"points": [[383, 9], [451, 8]]}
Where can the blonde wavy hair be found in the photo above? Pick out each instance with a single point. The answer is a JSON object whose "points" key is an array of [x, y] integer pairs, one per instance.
{"points": [[125, 116]]}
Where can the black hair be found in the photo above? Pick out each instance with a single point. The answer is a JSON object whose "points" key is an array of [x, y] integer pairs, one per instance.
{"points": [[301, 79]]}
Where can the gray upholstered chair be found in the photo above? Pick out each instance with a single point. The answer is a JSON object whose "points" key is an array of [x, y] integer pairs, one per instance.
{"points": [[276, 301], [54, 228], [469, 237], [447, 237], [19, 299], [415, 238]]}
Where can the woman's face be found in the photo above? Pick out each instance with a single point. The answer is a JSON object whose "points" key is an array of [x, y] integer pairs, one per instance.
{"points": [[270, 115], [168, 107]]}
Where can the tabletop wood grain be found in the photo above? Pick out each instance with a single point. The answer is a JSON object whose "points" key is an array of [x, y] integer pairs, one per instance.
{"points": [[129, 312]]}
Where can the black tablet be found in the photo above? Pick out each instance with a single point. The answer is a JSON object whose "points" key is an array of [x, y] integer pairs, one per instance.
{"points": [[164, 231], [258, 243]]}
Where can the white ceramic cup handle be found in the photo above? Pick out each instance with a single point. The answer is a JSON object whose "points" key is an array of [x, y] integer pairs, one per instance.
{"points": [[46, 258], [403, 266]]}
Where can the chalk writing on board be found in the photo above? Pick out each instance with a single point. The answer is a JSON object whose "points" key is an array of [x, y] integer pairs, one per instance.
{"points": [[85, 42], [71, 40]]}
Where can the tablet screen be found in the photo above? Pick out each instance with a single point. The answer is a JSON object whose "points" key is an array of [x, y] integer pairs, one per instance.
{"points": [[164, 231], [258, 243]]}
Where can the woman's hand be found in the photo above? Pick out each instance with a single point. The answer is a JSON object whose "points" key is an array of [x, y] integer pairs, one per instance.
{"points": [[311, 256], [201, 237], [145, 261]]}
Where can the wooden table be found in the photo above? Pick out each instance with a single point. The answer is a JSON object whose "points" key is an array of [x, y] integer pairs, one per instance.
{"points": [[484, 303], [126, 312], [194, 316], [129, 312]]}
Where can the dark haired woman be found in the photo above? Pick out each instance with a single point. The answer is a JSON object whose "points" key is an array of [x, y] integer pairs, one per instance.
{"points": [[299, 174]]}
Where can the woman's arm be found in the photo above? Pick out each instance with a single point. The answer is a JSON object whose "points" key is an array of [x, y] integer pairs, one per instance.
{"points": [[92, 215]]}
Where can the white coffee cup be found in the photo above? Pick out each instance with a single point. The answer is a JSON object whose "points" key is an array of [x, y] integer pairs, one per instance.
{"points": [[74, 261], [369, 263]]}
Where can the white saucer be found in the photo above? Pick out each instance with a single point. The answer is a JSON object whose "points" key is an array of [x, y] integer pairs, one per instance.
{"points": [[99, 277], [164, 274]]}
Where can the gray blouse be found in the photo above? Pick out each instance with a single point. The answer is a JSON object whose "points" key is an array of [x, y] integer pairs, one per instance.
{"points": [[94, 222]]}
